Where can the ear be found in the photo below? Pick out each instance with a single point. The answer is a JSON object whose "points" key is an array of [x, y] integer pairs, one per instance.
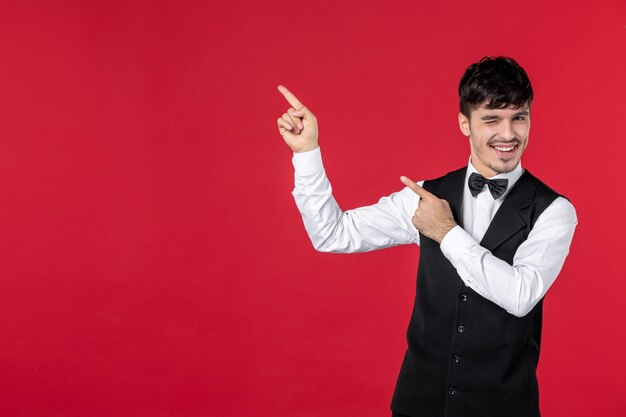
{"points": [[464, 124]]}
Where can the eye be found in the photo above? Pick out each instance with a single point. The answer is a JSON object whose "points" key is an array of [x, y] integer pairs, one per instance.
{"points": [[520, 118]]}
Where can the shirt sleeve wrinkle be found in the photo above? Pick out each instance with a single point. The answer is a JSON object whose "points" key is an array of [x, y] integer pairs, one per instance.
{"points": [[531, 290]]}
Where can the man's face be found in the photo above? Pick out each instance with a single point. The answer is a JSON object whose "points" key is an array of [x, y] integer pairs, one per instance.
{"points": [[498, 137]]}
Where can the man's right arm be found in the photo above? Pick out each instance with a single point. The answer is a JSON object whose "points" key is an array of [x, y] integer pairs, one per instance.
{"points": [[387, 223], [381, 225]]}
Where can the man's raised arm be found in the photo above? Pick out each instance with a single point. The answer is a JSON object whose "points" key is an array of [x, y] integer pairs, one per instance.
{"points": [[384, 224]]}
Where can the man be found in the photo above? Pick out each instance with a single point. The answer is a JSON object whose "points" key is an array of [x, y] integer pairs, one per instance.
{"points": [[492, 237]]}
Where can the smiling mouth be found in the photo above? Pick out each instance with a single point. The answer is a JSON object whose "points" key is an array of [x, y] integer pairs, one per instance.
{"points": [[504, 151]]}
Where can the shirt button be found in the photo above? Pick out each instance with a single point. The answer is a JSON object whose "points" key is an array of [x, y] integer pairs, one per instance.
{"points": [[452, 391], [456, 359], [463, 297], [460, 329]]}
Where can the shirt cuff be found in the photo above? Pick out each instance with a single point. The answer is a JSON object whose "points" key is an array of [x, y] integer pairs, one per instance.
{"points": [[307, 163], [456, 243]]}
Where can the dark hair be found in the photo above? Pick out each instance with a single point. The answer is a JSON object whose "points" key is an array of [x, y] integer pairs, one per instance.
{"points": [[499, 81]]}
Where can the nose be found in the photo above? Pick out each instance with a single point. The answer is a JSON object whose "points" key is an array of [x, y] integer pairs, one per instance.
{"points": [[507, 131]]}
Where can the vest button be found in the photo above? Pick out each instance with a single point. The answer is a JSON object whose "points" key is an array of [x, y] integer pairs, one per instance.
{"points": [[452, 391], [463, 297], [456, 359], [460, 329]]}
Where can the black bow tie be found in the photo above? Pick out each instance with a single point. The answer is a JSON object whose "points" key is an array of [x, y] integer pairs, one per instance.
{"points": [[477, 182]]}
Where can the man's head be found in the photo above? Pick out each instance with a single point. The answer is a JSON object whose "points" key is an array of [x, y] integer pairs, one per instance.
{"points": [[495, 98]]}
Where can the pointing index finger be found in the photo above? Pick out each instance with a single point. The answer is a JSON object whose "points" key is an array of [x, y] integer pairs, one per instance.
{"points": [[295, 103], [416, 188]]}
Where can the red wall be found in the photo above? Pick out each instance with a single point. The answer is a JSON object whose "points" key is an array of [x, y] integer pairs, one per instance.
{"points": [[152, 260]]}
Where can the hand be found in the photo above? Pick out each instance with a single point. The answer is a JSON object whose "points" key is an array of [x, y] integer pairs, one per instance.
{"points": [[298, 126], [433, 217]]}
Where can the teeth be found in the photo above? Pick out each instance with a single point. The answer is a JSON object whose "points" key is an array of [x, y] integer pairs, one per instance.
{"points": [[510, 148]]}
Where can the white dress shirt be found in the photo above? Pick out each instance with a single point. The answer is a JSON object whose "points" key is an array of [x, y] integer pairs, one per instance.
{"points": [[517, 288]]}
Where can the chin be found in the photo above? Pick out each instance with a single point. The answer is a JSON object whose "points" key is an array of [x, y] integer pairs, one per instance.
{"points": [[505, 168]]}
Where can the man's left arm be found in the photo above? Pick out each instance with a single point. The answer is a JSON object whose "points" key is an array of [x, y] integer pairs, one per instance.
{"points": [[519, 287]]}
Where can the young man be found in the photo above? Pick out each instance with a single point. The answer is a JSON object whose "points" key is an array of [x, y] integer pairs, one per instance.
{"points": [[492, 237]]}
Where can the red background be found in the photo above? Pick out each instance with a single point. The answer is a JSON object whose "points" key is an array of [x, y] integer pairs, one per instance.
{"points": [[152, 260]]}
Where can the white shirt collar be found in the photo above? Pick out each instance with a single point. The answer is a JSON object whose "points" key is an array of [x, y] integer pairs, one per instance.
{"points": [[512, 176]]}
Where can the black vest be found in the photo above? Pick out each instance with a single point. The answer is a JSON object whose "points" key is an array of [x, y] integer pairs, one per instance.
{"points": [[466, 356]]}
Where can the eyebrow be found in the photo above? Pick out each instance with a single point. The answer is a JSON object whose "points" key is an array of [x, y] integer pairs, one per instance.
{"points": [[494, 117]]}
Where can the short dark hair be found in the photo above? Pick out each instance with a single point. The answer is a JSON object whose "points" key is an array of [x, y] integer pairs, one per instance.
{"points": [[500, 81]]}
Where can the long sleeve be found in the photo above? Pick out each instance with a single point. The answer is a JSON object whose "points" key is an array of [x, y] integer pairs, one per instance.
{"points": [[519, 287], [381, 225]]}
